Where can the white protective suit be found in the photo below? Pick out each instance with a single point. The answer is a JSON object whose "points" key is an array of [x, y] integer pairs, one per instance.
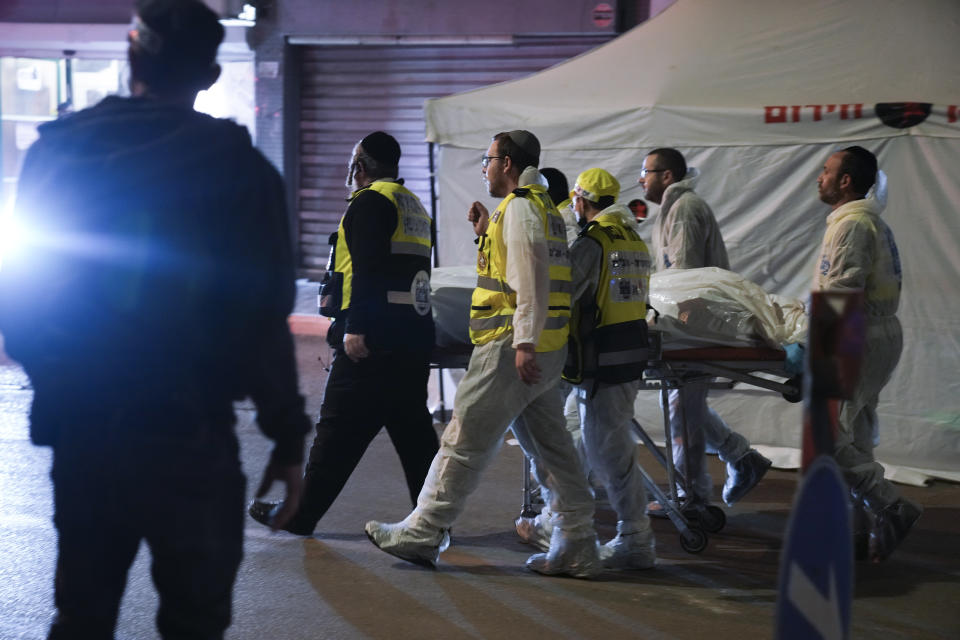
{"points": [[686, 236], [859, 252], [606, 416], [569, 220], [605, 440], [491, 395]]}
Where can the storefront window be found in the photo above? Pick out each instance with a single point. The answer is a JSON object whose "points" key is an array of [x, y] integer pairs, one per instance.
{"points": [[34, 91], [232, 96], [30, 92], [94, 80]]}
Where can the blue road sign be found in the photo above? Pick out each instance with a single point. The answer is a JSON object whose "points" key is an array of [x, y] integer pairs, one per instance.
{"points": [[816, 564]]}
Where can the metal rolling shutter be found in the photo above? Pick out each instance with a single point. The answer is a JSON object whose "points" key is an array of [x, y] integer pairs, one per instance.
{"points": [[346, 92]]}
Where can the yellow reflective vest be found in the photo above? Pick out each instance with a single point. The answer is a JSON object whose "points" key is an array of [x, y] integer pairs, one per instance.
{"points": [[494, 302], [408, 288], [608, 339]]}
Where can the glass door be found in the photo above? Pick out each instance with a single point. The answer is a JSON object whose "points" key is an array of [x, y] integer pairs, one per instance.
{"points": [[31, 90]]}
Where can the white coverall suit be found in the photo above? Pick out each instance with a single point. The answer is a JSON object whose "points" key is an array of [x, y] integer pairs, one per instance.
{"points": [[491, 395], [606, 434], [859, 252], [606, 416], [686, 236]]}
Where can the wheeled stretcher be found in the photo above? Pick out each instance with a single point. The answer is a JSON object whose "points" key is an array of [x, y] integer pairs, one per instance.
{"points": [[724, 367], [686, 352], [672, 369]]}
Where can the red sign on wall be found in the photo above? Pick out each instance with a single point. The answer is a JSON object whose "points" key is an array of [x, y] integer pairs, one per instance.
{"points": [[603, 15]]}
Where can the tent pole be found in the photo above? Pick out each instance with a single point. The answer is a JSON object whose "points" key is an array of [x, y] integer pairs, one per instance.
{"points": [[433, 240], [433, 203]]}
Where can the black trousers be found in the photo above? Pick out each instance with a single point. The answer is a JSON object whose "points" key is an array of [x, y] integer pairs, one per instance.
{"points": [[384, 390], [181, 491]]}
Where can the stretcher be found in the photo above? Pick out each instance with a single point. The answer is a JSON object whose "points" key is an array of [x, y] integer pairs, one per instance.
{"points": [[673, 368], [675, 360]]}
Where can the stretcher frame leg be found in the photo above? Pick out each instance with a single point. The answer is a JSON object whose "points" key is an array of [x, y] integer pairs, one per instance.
{"points": [[707, 517], [673, 479], [526, 509], [692, 538], [649, 443], [693, 533]]}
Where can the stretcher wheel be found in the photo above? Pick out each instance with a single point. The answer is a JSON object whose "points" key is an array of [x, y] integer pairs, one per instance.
{"points": [[712, 519], [797, 395], [693, 540]]}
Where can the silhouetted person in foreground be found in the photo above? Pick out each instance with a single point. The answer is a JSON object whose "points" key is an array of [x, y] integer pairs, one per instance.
{"points": [[152, 293]]}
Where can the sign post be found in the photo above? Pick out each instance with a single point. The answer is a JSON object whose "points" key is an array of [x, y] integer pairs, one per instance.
{"points": [[816, 566]]}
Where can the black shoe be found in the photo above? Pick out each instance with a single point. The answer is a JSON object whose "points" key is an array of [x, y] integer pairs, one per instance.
{"points": [[863, 522], [264, 512], [891, 526]]}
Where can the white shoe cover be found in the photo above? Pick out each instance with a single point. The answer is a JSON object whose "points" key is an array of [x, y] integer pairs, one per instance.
{"points": [[578, 558], [419, 544], [635, 550], [535, 531]]}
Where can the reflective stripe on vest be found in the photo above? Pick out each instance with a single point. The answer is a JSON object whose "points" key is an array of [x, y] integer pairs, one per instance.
{"points": [[481, 324], [410, 248], [399, 297], [494, 302], [483, 282], [556, 286], [613, 358]]}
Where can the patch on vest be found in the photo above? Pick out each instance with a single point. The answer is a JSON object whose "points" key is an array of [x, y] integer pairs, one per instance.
{"points": [[628, 263], [481, 261], [627, 290], [415, 220], [824, 265], [558, 228], [420, 293]]}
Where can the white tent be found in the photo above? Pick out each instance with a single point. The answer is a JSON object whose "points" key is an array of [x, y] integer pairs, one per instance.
{"points": [[756, 94]]}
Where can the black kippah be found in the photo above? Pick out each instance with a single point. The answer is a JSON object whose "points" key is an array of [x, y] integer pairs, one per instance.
{"points": [[179, 31], [382, 147]]}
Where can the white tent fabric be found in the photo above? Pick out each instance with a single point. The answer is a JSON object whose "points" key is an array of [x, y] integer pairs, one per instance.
{"points": [[757, 94]]}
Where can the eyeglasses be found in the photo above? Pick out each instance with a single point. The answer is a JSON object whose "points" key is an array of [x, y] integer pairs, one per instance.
{"points": [[644, 172], [485, 162]]}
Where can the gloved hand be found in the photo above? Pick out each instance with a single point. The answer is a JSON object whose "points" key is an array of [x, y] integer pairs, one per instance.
{"points": [[794, 360]]}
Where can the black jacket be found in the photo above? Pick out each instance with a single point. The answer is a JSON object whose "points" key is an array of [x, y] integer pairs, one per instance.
{"points": [[369, 224], [158, 277]]}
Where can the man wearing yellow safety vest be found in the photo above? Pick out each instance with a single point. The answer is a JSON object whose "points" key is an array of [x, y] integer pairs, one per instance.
{"points": [[377, 290], [686, 236], [859, 252], [519, 320], [608, 352]]}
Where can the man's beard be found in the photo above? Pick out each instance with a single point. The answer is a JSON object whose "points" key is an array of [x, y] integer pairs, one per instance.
{"points": [[828, 196]]}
